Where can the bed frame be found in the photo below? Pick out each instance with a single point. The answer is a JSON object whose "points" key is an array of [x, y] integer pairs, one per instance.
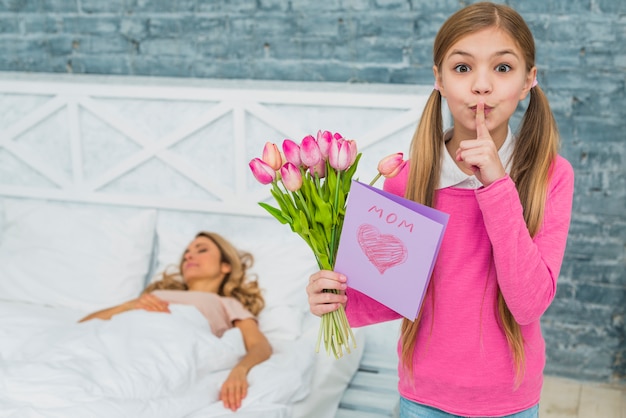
{"points": [[183, 145]]}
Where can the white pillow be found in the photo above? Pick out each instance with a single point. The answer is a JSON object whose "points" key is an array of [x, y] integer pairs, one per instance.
{"points": [[77, 256], [283, 269], [281, 322]]}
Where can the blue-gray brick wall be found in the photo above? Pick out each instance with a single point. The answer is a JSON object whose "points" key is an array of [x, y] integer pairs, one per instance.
{"points": [[581, 56]]}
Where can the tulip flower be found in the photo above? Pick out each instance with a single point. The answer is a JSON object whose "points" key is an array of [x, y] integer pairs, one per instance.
{"points": [[339, 154], [292, 152], [323, 141], [291, 177], [353, 151], [315, 177], [390, 166], [262, 171], [310, 151], [319, 169], [271, 156]]}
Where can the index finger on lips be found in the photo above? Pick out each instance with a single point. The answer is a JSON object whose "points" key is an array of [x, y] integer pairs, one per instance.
{"points": [[481, 126]]}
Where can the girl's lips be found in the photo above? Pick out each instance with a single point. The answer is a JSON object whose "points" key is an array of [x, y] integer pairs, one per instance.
{"points": [[487, 109]]}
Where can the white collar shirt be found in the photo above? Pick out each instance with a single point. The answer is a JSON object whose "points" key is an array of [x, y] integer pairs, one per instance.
{"points": [[453, 176]]}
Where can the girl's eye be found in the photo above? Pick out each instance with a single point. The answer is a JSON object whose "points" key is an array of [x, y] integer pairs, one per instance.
{"points": [[503, 68], [461, 68], [203, 250]]}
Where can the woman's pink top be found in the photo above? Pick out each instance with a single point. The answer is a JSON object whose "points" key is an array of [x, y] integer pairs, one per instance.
{"points": [[220, 311], [462, 363]]}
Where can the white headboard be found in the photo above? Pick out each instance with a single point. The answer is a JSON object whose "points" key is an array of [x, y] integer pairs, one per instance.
{"points": [[179, 144]]}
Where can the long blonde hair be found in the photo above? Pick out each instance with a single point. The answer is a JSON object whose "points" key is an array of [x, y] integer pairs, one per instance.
{"points": [[536, 148], [236, 284]]}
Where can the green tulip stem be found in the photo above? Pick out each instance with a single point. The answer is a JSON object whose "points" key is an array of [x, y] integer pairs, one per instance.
{"points": [[319, 339], [375, 179], [333, 236], [298, 193]]}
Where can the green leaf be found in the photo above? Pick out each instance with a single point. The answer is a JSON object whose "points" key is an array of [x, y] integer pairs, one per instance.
{"points": [[280, 199], [352, 169], [276, 213], [321, 240], [347, 178], [322, 212], [304, 222]]}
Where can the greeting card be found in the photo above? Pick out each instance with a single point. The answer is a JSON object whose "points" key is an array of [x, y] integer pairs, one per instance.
{"points": [[388, 247]]}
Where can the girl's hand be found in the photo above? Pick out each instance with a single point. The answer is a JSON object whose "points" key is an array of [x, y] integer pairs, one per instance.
{"points": [[321, 302], [151, 303], [481, 155], [234, 389]]}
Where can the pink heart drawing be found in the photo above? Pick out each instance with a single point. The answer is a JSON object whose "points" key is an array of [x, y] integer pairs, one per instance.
{"points": [[382, 250]]}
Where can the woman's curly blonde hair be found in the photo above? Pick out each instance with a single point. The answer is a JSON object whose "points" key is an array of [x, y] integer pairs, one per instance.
{"points": [[236, 284]]}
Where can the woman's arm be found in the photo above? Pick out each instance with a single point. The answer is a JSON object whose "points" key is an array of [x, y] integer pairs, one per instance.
{"points": [[146, 301], [258, 349]]}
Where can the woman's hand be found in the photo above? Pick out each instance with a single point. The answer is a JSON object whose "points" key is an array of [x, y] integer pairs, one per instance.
{"points": [[321, 302], [481, 154], [149, 302], [234, 389], [258, 349]]}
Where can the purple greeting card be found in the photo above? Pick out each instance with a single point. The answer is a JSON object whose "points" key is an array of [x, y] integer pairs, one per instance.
{"points": [[388, 247]]}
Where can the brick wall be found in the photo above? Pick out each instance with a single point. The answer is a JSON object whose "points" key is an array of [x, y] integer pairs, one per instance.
{"points": [[581, 55]]}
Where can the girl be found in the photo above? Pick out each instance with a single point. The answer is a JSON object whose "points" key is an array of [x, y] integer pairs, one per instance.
{"points": [[214, 280], [475, 348]]}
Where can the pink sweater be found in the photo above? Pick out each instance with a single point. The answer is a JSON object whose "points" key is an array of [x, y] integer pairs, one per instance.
{"points": [[462, 363]]}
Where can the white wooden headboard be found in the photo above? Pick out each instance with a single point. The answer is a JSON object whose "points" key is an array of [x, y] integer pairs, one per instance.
{"points": [[179, 144]]}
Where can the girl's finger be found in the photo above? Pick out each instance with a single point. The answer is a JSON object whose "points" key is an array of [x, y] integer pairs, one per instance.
{"points": [[326, 302], [481, 127], [320, 285]]}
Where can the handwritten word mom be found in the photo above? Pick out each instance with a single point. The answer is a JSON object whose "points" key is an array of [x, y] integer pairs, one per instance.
{"points": [[391, 218]]}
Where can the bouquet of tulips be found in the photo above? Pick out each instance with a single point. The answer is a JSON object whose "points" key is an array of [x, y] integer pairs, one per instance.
{"points": [[310, 183]]}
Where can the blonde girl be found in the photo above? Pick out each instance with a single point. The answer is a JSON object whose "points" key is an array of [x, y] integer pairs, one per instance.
{"points": [[475, 348]]}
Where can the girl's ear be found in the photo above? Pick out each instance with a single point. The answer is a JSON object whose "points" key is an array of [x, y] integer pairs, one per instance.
{"points": [[528, 83], [438, 81]]}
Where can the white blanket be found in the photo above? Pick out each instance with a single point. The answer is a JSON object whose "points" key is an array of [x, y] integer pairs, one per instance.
{"points": [[138, 364]]}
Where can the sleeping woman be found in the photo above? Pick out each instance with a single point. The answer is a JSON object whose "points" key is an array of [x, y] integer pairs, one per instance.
{"points": [[214, 280]]}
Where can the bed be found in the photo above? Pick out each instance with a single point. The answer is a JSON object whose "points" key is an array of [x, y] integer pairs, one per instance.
{"points": [[103, 180]]}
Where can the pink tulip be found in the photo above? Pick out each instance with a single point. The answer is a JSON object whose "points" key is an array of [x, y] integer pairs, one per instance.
{"points": [[292, 152], [310, 151], [272, 156], [353, 151], [291, 177], [323, 141], [319, 169], [339, 154], [391, 165], [337, 135], [262, 171]]}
